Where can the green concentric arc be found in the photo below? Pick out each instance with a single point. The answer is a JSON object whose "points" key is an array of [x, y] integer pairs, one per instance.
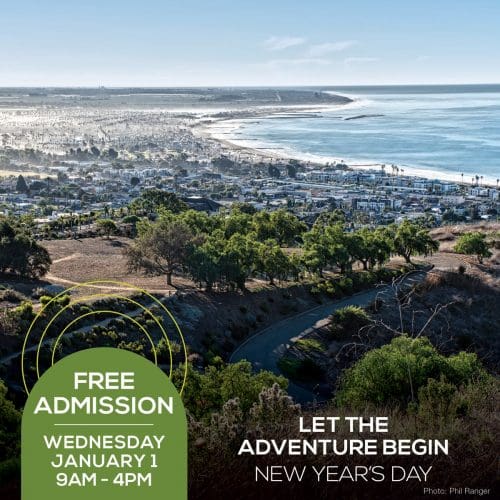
{"points": [[94, 284]]}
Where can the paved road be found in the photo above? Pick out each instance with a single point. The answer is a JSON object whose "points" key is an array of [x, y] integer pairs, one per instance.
{"points": [[265, 348]]}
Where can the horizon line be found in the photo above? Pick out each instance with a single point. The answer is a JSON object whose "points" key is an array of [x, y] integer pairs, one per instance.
{"points": [[204, 86]]}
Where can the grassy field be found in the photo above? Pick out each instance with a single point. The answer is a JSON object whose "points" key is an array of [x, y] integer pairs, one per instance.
{"points": [[77, 261]]}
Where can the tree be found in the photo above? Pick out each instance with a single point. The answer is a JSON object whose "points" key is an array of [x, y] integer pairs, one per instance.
{"points": [[394, 373], [272, 261], [274, 171], [287, 227], [154, 200], [237, 223], [21, 254], [238, 260], [199, 222], [370, 247], [412, 239], [243, 207], [107, 227], [112, 153], [161, 247], [263, 226], [473, 244], [228, 262], [316, 254], [327, 246], [291, 170], [203, 262], [329, 218], [206, 393], [21, 186], [10, 426]]}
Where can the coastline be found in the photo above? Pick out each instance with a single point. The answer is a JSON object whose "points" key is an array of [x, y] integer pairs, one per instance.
{"points": [[224, 130]]}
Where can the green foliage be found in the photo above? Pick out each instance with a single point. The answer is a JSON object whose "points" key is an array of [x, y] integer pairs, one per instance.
{"points": [[338, 286], [107, 227], [131, 219], [305, 369], [328, 246], [272, 261], [395, 373], [347, 321], [473, 244], [207, 392], [21, 185], [10, 426], [161, 247], [227, 262], [287, 228], [163, 352], [199, 222], [55, 303], [155, 200], [227, 249], [17, 320], [20, 253], [309, 345], [410, 238]]}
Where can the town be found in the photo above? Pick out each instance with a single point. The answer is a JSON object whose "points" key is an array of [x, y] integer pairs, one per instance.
{"points": [[85, 183]]}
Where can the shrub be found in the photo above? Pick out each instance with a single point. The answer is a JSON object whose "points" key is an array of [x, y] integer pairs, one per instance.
{"points": [[45, 299], [10, 295], [347, 321], [346, 285], [24, 311], [394, 373], [300, 369], [473, 244], [309, 345], [63, 300]]}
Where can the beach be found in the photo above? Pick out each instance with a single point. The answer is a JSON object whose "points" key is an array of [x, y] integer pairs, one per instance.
{"points": [[430, 139]]}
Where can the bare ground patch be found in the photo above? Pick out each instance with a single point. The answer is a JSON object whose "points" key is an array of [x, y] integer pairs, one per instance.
{"points": [[78, 261]]}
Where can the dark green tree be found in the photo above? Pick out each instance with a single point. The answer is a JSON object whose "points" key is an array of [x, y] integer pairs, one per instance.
{"points": [[161, 247], [473, 244], [410, 239], [21, 186], [155, 200]]}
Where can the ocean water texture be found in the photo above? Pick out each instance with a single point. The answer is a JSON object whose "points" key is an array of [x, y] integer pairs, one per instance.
{"points": [[433, 131]]}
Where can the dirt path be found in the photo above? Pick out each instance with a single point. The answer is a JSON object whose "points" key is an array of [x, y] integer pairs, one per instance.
{"points": [[69, 257], [56, 279]]}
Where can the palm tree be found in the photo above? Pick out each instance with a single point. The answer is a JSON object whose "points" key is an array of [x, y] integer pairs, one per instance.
{"points": [[497, 182], [481, 179], [462, 174]]}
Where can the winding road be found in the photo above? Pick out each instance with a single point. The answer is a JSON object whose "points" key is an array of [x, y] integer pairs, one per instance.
{"points": [[266, 347]]}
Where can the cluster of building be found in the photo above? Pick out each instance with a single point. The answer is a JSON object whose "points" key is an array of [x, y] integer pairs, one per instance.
{"points": [[366, 196], [121, 153]]}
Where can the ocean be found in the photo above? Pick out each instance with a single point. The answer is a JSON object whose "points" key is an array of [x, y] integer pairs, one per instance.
{"points": [[432, 131]]}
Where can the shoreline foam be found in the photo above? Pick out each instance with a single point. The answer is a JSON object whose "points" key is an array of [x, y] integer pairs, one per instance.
{"points": [[259, 148]]}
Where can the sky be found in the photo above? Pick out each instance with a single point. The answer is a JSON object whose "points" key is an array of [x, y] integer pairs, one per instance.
{"points": [[248, 43]]}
